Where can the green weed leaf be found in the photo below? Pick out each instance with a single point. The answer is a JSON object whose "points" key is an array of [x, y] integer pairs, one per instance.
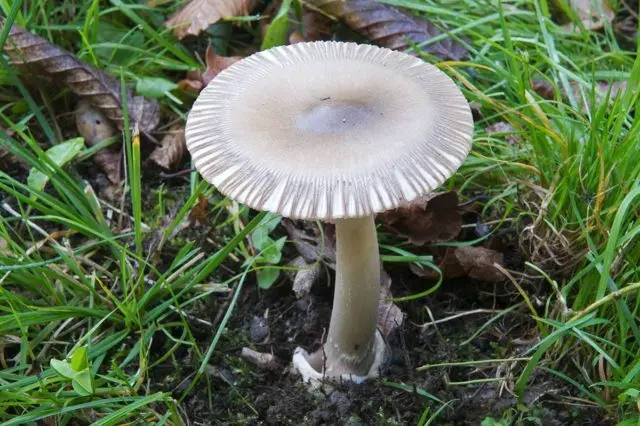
{"points": [[154, 87], [63, 368], [60, 154], [79, 360], [267, 276], [83, 383]]}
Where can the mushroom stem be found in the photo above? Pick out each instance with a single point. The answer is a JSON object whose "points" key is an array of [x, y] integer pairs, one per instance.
{"points": [[350, 345]]}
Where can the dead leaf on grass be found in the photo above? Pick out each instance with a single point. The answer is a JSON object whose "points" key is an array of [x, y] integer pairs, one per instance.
{"points": [[95, 127], [8, 161], [477, 263], [473, 262], [581, 92], [313, 244], [506, 129], [170, 153], [200, 212], [304, 276], [197, 80], [197, 15], [592, 13], [389, 27], [44, 60], [315, 26], [434, 217], [390, 316]]}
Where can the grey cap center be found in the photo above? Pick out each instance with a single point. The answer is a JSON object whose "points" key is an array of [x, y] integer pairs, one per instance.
{"points": [[327, 117]]}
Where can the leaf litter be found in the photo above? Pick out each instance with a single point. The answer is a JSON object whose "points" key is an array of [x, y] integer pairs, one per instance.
{"points": [[197, 15], [389, 27], [45, 60], [197, 80]]}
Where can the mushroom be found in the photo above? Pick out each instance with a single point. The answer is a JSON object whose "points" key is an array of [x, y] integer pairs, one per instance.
{"points": [[337, 132]]}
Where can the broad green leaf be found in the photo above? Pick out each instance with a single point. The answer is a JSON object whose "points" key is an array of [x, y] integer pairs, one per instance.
{"points": [[267, 276], [60, 154], [154, 87], [63, 368], [277, 33], [272, 253], [79, 359], [83, 383]]}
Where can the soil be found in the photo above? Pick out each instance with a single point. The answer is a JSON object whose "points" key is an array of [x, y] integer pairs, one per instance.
{"points": [[274, 321]]}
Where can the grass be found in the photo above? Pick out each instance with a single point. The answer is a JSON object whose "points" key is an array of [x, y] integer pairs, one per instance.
{"points": [[72, 278]]}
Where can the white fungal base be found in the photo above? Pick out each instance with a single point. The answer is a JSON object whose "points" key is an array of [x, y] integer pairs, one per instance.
{"points": [[317, 379]]}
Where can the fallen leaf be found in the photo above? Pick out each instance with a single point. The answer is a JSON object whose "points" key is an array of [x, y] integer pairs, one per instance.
{"points": [[45, 60], [543, 88], [390, 316], [296, 37], [592, 13], [197, 80], [473, 262], [170, 153], [9, 162], [434, 217], [304, 276], [199, 213], [312, 243], [625, 25], [60, 155], [478, 262], [95, 127], [509, 132], [389, 27], [197, 15], [316, 26], [581, 92]]}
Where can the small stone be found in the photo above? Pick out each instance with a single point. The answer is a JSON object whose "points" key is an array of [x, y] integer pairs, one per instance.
{"points": [[341, 401], [259, 329]]}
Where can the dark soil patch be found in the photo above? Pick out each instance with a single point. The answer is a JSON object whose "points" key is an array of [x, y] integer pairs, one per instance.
{"points": [[242, 393]]}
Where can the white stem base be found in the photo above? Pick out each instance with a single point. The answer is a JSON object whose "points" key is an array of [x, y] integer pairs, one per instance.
{"points": [[317, 379]]}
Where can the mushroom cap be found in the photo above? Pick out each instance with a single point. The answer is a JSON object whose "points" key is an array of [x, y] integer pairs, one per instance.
{"points": [[329, 130]]}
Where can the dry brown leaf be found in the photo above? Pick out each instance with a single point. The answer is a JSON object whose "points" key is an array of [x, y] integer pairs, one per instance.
{"points": [[45, 60], [316, 26], [197, 15], [170, 153], [546, 90], [390, 316], [200, 212], [389, 27], [478, 262], [592, 13], [197, 80], [510, 133], [296, 37], [215, 64], [431, 218], [473, 262], [95, 127], [309, 241], [8, 161], [543, 88], [304, 277]]}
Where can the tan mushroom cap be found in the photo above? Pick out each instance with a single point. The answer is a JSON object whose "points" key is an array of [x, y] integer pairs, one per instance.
{"points": [[329, 130]]}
